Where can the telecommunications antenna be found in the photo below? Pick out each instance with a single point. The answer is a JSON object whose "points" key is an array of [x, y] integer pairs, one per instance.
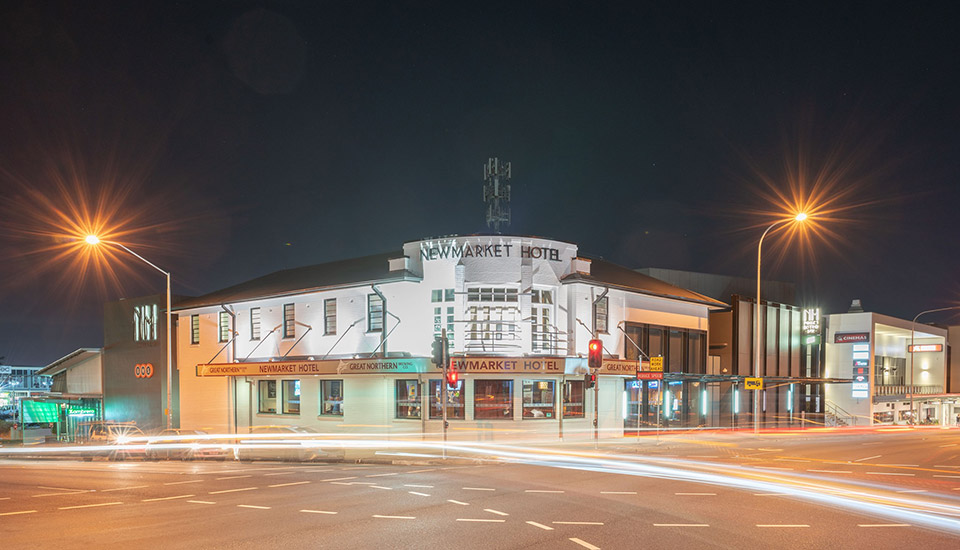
{"points": [[496, 193]]}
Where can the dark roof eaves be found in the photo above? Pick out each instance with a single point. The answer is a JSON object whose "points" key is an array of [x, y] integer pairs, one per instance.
{"points": [[579, 278]]}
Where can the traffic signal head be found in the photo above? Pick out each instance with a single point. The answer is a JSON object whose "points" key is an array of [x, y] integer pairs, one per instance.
{"points": [[437, 352], [589, 380], [452, 377], [595, 354]]}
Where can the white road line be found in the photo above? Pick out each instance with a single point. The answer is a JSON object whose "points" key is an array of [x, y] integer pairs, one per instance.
{"points": [[339, 478], [949, 445], [498, 512], [74, 490], [696, 494], [540, 491], [17, 513], [252, 506], [278, 474], [884, 525], [831, 471], [460, 503], [360, 483], [577, 522], [394, 517], [340, 483], [618, 492], [231, 490], [419, 486], [201, 502], [421, 471], [166, 498], [382, 475], [380, 487], [123, 488], [289, 484], [943, 475], [182, 482], [482, 520], [888, 474], [89, 505], [58, 494], [867, 458], [418, 494], [318, 512], [477, 489], [782, 525], [234, 477], [540, 525], [585, 544], [681, 525]]}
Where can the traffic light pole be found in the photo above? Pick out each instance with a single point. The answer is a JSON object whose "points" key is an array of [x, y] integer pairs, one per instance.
{"points": [[596, 414], [443, 388]]}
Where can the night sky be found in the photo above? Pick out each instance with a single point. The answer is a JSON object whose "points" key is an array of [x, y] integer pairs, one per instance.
{"points": [[227, 140]]}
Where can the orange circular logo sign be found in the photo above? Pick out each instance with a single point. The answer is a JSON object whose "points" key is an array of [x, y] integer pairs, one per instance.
{"points": [[143, 370]]}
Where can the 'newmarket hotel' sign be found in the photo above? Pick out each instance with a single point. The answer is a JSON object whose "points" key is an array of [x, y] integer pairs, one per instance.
{"points": [[466, 250]]}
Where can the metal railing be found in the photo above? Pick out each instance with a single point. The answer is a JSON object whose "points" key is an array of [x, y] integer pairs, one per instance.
{"points": [[905, 390]]}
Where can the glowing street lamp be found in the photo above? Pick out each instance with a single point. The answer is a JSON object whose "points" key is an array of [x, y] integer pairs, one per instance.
{"points": [[756, 363], [93, 240]]}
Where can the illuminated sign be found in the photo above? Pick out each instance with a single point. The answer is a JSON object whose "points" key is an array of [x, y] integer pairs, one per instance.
{"points": [[813, 340], [643, 375], [860, 386], [861, 355], [811, 321], [143, 370], [456, 250], [851, 337], [861, 362], [917, 348], [145, 323], [860, 393]]}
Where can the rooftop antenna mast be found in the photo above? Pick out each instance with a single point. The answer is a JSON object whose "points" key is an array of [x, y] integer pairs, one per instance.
{"points": [[496, 193]]}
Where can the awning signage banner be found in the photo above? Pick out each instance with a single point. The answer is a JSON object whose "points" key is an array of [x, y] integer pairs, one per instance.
{"points": [[484, 365], [347, 366]]}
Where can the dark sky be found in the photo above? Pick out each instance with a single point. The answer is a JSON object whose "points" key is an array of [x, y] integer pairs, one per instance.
{"points": [[230, 139]]}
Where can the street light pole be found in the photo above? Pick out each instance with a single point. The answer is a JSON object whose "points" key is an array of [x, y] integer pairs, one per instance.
{"points": [[168, 412], [913, 327], [757, 314]]}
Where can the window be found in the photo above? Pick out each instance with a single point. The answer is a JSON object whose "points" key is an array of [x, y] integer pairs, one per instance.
{"points": [[538, 399], [254, 323], [289, 321], [455, 401], [448, 295], [573, 399], [268, 396], [408, 399], [436, 295], [493, 399], [224, 326], [291, 396], [493, 316], [331, 398], [374, 313], [542, 330], [600, 315], [194, 329], [674, 361], [330, 316]]}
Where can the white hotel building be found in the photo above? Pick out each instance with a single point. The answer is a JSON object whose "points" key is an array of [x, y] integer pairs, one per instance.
{"points": [[345, 346]]}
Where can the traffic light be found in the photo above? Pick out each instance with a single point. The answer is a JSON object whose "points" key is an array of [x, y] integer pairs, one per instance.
{"points": [[595, 354], [589, 380], [438, 351], [452, 377]]}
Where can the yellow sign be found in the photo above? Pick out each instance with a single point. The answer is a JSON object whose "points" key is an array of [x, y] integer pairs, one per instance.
{"points": [[656, 364], [753, 383]]}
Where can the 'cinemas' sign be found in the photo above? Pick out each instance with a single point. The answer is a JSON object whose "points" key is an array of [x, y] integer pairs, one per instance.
{"points": [[851, 337]]}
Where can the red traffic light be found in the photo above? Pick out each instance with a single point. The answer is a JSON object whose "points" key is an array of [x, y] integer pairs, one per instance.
{"points": [[452, 377], [595, 354]]}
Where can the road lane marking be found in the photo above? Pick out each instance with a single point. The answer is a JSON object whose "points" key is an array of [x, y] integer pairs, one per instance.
{"points": [[382, 475], [318, 512], [696, 494], [393, 517], [577, 522], [17, 513], [419, 486], [540, 525], [781, 525], [541, 491], [252, 506], [201, 502], [681, 525], [166, 498], [460, 503], [380, 487], [360, 483], [234, 477], [123, 488], [943, 475], [58, 494], [477, 489], [832, 471], [231, 490], [182, 482], [887, 474], [278, 474], [867, 458], [498, 512], [418, 494], [884, 525], [289, 484], [421, 471], [74, 490], [585, 544], [339, 478], [618, 492], [89, 505], [482, 520]]}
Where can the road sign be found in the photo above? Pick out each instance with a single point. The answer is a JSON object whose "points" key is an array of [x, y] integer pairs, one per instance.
{"points": [[644, 375], [656, 364], [753, 383]]}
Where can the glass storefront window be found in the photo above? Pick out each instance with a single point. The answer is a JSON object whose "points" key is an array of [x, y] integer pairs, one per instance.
{"points": [[539, 399], [456, 409], [291, 396], [267, 390], [493, 399], [573, 399], [675, 355], [408, 399], [331, 397]]}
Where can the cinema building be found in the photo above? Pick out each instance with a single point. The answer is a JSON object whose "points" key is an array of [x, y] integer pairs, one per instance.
{"points": [[345, 346]]}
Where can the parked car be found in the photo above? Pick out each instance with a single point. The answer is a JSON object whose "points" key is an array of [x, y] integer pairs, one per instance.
{"points": [[295, 443], [114, 440], [186, 445]]}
